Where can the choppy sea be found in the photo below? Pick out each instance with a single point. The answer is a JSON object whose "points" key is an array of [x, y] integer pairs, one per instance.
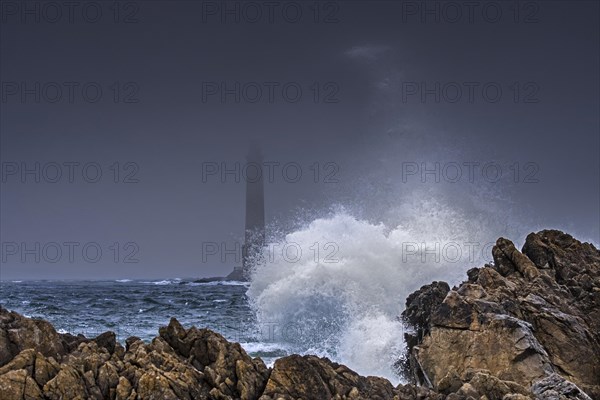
{"points": [[140, 307]]}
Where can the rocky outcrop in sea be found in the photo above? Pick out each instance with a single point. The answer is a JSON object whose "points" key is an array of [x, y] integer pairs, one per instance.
{"points": [[526, 327]]}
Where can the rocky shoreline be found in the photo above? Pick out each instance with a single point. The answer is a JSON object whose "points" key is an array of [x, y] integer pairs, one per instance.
{"points": [[526, 327]]}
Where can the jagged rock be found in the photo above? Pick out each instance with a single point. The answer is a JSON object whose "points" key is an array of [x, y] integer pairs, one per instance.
{"points": [[108, 340], [420, 305], [69, 383], [450, 383], [532, 315], [495, 342], [555, 387], [19, 385], [507, 259], [311, 377], [180, 364], [19, 333], [45, 369], [7, 349], [35, 364], [494, 388], [124, 389], [226, 365], [24, 360], [154, 386], [412, 392]]}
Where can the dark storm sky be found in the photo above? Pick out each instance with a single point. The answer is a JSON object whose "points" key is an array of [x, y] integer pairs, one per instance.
{"points": [[163, 115]]}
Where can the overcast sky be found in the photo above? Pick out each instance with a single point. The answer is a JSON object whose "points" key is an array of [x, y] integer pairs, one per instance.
{"points": [[348, 99]]}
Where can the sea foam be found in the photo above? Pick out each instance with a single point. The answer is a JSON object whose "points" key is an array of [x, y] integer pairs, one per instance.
{"points": [[344, 300]]}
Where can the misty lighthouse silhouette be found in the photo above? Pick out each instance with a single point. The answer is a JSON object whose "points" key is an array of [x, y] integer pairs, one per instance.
{"points": [[254, 233]]}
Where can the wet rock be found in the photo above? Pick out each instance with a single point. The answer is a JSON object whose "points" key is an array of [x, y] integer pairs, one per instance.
{"points": [[417, 314], [493, 387], [412, 392], [69, 383], [555, 387], [19, 385], [532, 315], [420, 305], [508, 259], [155, 386], [19, 333], [124, 389], [498, 343], [311, 377], [108, 340], [227, 367]]}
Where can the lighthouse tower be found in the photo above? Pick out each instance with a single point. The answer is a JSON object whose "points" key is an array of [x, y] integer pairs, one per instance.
{"points": [[254, 233]]}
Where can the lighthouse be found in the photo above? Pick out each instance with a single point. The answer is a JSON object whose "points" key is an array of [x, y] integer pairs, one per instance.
{"points": [[254, 231]]}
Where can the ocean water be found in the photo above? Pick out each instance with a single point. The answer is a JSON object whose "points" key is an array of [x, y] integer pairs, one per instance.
{"points": [[140, 307]]}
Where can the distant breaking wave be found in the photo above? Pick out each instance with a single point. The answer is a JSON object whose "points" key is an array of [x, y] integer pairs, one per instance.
{"points": [[163, 282]]}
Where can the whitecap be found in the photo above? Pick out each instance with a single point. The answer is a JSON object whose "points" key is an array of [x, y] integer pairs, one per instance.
{"points": [[163, 282]]}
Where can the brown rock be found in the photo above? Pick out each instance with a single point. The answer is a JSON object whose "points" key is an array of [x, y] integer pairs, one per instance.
{"points": [[18, 385], [508, 258], [108, 340], [67, 384], [557, 387], [20, 333], [123, 390], [154, 386], [531, 315], [227, 367], [311, 377]]}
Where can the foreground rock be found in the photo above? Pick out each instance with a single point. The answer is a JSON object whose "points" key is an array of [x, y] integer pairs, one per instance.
{"points": [[311, 377], [39, 363], [527, 326]]}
